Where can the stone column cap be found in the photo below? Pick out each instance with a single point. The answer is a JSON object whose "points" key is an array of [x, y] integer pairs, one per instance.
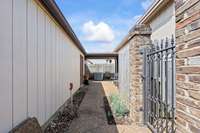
{"points": [[140, 29]]}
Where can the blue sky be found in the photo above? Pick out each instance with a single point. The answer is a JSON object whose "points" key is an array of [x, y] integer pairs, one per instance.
{"points": [[101, 25]]}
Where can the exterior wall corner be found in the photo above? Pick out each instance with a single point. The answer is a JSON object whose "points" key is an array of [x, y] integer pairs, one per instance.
{"points": [[140, 38]]}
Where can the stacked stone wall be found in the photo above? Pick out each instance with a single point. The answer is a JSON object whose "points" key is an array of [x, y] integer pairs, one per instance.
{"points": [[140, 37]]}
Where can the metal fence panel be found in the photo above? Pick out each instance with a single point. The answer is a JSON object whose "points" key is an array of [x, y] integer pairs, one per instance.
{"points": [[159, 87]]}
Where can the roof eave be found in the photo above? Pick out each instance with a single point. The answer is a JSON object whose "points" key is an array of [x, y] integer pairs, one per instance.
{"points": [[54, 10], [123, 43], [101, 55], [147, 17], [153, 10]]}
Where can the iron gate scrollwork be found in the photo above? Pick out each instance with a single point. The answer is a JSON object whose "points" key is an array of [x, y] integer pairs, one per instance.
{"points": [[159, 86]]}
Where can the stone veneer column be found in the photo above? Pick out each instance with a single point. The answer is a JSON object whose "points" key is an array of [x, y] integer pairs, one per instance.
{"points": [[139, 37], [188, 66]]}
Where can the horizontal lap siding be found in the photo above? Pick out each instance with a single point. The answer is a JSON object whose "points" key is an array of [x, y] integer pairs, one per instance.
{"points": [[38, 61]]}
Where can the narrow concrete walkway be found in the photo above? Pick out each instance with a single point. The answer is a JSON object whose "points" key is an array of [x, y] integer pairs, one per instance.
{"points": [[92, 117]]}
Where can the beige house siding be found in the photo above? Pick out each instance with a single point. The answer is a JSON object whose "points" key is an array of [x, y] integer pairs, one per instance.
{"points": [[123, 74], [163, 25], [38, 61]]}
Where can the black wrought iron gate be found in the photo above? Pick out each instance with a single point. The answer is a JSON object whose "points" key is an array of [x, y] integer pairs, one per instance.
{"points": [[159, 87]]}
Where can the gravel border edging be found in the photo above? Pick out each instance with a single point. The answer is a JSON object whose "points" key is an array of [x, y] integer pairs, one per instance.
{"points": [[113, 120], [64, 116]]}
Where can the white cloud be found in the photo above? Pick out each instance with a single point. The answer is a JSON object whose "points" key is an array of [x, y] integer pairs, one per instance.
{"points": [[100, 32], [146, 4], [100, 47]]}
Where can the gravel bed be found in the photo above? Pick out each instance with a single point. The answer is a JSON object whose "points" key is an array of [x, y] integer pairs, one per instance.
{"points": [[64, 118], [112, 119]]}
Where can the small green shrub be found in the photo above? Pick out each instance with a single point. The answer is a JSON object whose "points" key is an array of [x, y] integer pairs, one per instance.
{"points": [[118, 105]]}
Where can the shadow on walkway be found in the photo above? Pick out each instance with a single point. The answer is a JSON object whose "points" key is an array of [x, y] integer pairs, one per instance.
{"points": [[92, 116]]}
